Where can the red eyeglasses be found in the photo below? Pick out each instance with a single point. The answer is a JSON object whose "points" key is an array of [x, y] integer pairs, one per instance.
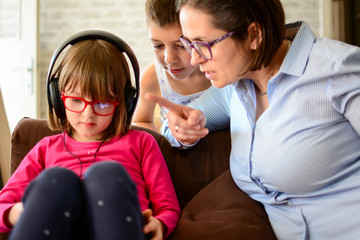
{"points": [[77, 105]]}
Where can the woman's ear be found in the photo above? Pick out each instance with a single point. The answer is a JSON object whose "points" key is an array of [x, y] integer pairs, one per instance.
{"points": [[255, 35]]}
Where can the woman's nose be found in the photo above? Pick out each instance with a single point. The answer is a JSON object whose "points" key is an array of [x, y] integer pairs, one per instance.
{"points": [[196, 58]]}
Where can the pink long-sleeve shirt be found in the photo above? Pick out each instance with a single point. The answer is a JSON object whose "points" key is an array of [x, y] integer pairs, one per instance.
{"points": [[137, 151]]}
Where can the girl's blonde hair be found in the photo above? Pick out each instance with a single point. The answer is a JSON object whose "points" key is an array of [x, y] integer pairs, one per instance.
{"points": [[102, 72]]}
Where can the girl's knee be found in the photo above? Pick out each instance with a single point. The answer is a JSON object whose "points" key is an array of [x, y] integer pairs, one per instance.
{"points": [[58, 173], [110, 174], [54, 182], [104, 171]]}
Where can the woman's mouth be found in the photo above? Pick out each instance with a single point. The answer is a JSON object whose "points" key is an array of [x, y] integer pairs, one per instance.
{"points": [[209, 75]]}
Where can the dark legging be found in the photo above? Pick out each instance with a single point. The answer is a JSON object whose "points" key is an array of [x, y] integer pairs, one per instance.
{"points": [[58, 205]]}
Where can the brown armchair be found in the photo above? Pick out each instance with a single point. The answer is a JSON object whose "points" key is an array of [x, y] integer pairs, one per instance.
{"points": [[212, 206]]}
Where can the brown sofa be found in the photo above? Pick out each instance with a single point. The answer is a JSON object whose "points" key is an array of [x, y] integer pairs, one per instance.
{"points": [[212, 206]]}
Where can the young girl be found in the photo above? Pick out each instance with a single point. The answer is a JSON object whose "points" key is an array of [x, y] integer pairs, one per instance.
{"points": [[80, 184], [170, 75]]}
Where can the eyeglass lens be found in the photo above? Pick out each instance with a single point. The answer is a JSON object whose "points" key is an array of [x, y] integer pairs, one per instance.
{"points": [[202, 48], [78, 105]]}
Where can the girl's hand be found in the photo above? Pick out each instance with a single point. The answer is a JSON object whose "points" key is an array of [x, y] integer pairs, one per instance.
{"points": [[187, 125], [15, 212], [153, 228]]}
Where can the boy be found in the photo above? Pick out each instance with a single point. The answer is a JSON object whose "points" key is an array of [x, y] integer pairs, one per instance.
{"points": [[170, 75]]}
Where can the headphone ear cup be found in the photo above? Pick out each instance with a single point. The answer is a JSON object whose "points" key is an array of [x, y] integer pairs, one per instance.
{"points": [[55, 98], [130, 100]]}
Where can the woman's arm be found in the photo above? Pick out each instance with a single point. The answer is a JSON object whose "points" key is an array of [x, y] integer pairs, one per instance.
{"points": [[343, 88]]}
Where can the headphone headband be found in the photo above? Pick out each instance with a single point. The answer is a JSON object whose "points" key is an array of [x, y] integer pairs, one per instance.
{"points": [[120, 44]]}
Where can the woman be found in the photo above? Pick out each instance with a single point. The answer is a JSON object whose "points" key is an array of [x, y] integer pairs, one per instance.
{"points": [[293, 110]]}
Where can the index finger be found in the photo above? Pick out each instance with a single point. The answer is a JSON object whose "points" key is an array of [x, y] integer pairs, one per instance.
{"points": [[162, 102]]}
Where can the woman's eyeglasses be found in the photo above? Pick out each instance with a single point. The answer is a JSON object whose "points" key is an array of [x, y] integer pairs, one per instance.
{"points": [[77, 105], [203, 48]]}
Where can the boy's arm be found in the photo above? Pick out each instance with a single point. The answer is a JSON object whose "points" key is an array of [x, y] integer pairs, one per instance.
{"points": [[144, 112]]}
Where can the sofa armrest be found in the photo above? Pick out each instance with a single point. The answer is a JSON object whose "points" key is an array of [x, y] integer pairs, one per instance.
{"points": [[27, 133]]}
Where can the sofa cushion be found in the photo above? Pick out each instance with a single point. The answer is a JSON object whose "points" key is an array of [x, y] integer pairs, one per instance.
{"points": [[222, 211], [193, 169]]}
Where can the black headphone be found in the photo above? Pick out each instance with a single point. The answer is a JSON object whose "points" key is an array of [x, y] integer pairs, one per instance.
{"points": [[131, 92]]}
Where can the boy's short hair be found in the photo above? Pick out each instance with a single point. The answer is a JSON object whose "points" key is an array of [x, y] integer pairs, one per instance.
{"points": [[161, 12], [101, 71]]}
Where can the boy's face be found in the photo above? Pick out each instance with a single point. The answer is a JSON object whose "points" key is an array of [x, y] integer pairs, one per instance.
{"points": [[169, 51]]}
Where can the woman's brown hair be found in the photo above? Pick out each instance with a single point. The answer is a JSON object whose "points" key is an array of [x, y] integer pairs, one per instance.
{"points": [[237, 15], [102, 72]]}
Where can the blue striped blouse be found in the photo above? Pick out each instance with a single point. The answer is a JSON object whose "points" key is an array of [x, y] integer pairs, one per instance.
{"points": [[301, 158]]}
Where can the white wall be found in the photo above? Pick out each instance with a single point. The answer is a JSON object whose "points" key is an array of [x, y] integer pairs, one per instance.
{"points": [[307, 10], [60, 19]]}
